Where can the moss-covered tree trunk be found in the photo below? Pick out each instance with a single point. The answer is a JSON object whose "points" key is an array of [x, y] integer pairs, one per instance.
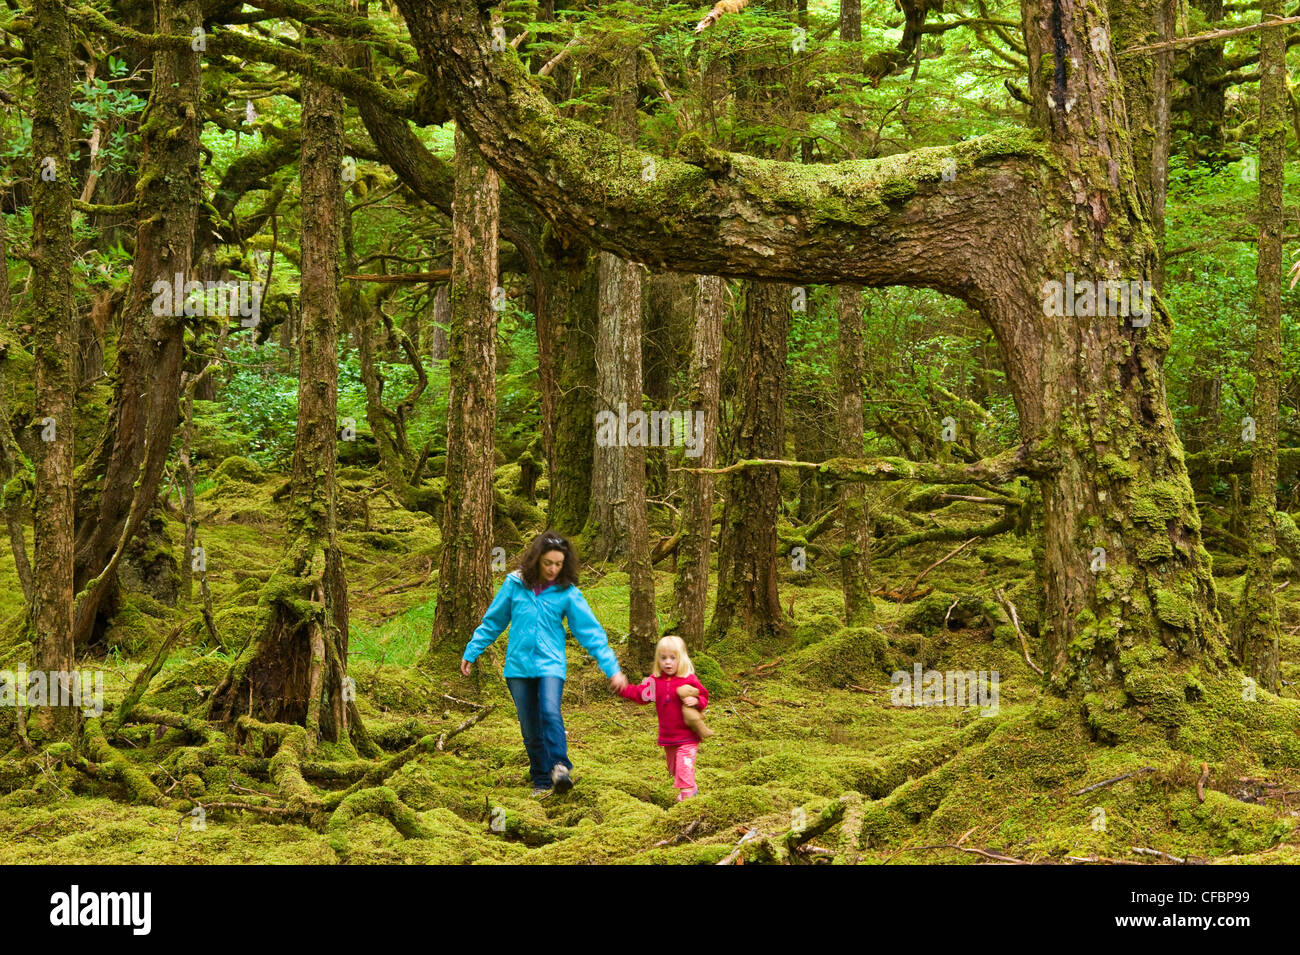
{"points": [[573, 292], [1070, 199], [692, 585], [132, 451], [50, 619], [750, 585], [1257, 635], [295, 669], [1205, 88], [314, 490], [465, 568], [855, 553]]}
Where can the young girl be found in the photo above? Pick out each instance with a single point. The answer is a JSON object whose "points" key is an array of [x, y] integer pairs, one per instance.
{"points": [[679, 700]]}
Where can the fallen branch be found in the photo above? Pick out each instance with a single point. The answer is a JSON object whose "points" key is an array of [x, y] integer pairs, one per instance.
{"points": [[144, 678], [1200, 783], [464, 726], [1116, 779], [1158, 854], [681, 836], [942, 560], [1012, 860]]}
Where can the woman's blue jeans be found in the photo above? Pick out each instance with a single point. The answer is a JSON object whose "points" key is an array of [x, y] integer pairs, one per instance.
{"points": [[537, 700]]}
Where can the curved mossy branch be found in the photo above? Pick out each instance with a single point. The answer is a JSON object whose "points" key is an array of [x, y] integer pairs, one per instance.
{"points": [[381, 801], [109, 764], [898, 220], [1028, 460], [239, 45]]}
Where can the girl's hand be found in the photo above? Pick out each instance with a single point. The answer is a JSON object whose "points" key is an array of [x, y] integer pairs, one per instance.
{"points": [[690, 701], [465, 666], [618, 681]]}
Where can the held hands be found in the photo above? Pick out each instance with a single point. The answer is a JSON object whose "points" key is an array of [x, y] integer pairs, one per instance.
{"points": [[465, 666], [618, 681]]}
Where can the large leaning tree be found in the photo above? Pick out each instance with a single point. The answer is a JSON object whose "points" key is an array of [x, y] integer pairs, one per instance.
{"points": [[991, 221]]}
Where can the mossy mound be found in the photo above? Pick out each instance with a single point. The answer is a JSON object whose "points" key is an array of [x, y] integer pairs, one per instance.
{"points": [[852, 655], [184, 688], [239, 468], [709, 672]]}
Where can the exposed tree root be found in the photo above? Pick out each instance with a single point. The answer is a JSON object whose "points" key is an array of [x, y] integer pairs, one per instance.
{"points": [[381, 801], [113, 766]]}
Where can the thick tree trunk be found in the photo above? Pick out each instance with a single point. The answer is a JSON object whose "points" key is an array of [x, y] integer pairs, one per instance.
{"points": [[692, 586], [133, 449], [465, 566], [50, 618], [750, 584], [1257, 625], [855, 555]]}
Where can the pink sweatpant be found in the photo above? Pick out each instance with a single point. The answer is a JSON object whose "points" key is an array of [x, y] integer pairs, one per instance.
{"points": [[681, 763]]}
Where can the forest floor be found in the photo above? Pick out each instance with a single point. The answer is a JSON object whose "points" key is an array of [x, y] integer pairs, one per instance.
{"points": [[808, 741]]}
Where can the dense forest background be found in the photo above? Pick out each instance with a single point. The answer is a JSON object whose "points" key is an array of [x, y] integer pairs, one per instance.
{"points": [[272, 521]]}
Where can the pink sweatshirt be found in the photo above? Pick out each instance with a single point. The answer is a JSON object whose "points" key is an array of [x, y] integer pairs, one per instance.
{"points": [[662, 692]]}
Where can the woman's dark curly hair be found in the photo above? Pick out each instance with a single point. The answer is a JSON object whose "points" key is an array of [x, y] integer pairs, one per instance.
{"points": [[529, 564]]}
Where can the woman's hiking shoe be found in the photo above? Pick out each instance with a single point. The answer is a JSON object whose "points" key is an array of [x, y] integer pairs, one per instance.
{"points": [[540, 791], [560, 780]]}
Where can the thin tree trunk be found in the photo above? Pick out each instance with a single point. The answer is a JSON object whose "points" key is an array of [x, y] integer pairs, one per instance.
{"points": [[855, 557], [1257, 623], [692, 586], [11, 456], [465, 568], [623, 279], [605, 535]]}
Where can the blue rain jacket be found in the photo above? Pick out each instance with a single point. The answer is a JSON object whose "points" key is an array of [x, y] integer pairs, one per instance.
{"points": [[535, 646]]}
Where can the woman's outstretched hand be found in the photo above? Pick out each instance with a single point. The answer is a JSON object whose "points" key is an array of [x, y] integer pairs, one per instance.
{"points": [[465, 667], [617, 681]]}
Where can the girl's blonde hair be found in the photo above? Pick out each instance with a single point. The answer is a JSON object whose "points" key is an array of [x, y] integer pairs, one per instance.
{"points": [[684, 665]]}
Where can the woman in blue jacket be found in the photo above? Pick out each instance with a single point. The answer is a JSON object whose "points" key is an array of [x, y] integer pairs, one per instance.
{"points": [[534, 602]]}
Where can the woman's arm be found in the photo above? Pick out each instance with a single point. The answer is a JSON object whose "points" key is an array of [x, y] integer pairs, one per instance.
{"points": [[494, 622], [588, 632]]}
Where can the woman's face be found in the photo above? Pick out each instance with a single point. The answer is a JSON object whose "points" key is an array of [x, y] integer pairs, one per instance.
{"points": [[667, 661], [551, 564]]}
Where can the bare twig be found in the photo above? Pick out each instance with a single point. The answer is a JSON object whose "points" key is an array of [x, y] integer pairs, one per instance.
{"points": [[1113, 780], [1010, 608], [942, 560]]}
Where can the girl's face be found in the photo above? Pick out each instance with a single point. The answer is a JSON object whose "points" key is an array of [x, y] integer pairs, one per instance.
{"points": [[667, 661], [551, 564]]}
